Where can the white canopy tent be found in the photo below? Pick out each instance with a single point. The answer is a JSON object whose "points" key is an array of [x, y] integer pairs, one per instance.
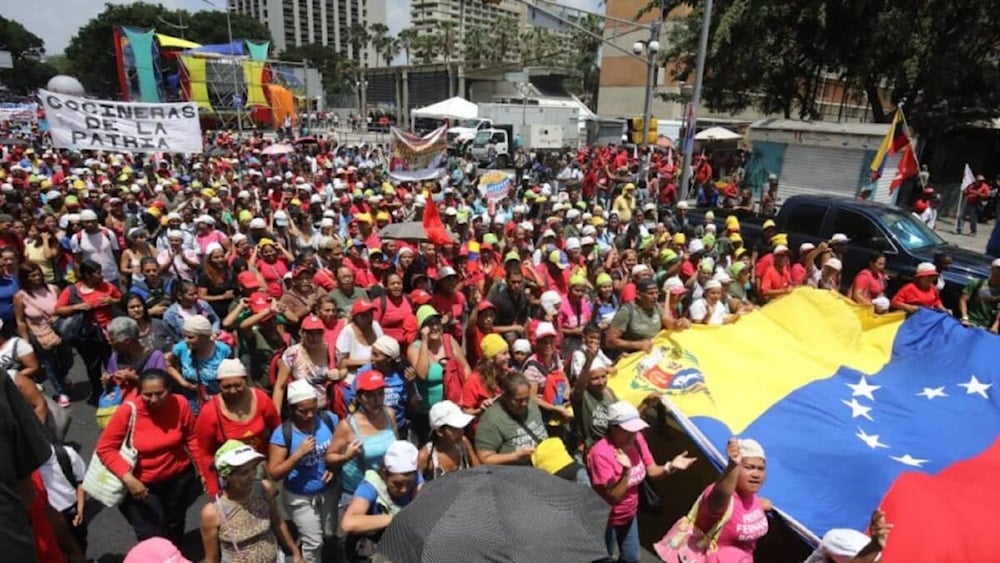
{"points": [[717, 134], [456, 107]]}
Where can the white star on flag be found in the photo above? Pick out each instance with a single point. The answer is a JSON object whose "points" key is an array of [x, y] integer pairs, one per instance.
{"points": [[857, 409], [872, 440], [909, 460], [932, 392], [863, 389], [976, 387]]}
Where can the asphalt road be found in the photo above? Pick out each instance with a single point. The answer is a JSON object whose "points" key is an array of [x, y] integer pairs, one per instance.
{"points": [[109, 535]]}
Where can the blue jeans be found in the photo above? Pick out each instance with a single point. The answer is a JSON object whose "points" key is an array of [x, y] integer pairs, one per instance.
{"points": [[626, 539], [56, 364], [973, 212]]}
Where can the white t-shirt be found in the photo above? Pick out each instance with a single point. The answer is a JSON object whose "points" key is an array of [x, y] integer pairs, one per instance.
{"points": [[11, 353], [62, 493], [579, 359], [99, 247], [349, 347], [700, 309]]}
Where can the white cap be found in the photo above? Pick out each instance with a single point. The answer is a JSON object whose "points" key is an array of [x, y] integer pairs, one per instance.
{"points": [[926, 269], [544, 329], [722, 278], [208, 219], [833, 264], [713, 284], [298, 391], [696, 245], [838, 238], [839, 545], [682, 205], [446, 272], [174, 216], [674, 285], [589, 230], [995, 263], [881, 304], [587, 240], [387, 345], [400, 457], [315, 198], [573, 214], [88, 215], [447, 413], [649, 207], [280, 219], [781, 249], [751, 448], [230, 368], [806, 247], [572, 243], [198, 325], [258, 223], [626, 416], [639, 268], [521, 345]]}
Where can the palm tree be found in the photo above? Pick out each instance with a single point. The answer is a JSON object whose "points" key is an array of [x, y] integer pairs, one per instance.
{"points": [[425, 47], [406, 37], [503, 43], [448, 39], [477, 49], [390, 49], [359, 38], [379, 38]]}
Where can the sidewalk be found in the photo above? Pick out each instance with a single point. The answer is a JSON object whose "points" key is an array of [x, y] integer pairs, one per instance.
{"points": [[977, 243]]}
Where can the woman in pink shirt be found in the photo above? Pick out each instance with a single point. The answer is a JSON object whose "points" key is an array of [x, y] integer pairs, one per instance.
{"points": [[574, 314], [617, 464], [869, 284], [737, 487]]}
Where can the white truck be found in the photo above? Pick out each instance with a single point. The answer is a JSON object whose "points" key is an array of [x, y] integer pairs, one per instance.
{"points": [[493, 115], [497, 145]]}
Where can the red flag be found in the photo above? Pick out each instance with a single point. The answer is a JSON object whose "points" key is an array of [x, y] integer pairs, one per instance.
{"points": [[906, 168], [436, 232], [950, 516]]}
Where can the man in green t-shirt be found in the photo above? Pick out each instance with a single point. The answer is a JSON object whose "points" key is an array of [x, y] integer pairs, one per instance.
{"points": [[980, 301], [635, 324], [512, 427]]}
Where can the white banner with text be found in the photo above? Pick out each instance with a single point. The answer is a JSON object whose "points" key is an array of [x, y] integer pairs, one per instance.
{"points": [[82, 123]]}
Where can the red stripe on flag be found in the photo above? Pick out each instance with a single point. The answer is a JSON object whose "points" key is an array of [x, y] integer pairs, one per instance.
{"points": [[906, 168]]}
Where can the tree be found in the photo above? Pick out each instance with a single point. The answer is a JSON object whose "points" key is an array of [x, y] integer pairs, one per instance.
{"points": [[406, 38], [379, 38], [336, 69], [359, 39], [477, 47], [27, 50], [585, 60], [939, 57], [504, 40], [59, 63], [425, 47], [448, 32], [91, 52]]}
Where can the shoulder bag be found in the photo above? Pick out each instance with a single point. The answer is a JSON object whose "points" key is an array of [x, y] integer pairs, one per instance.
{"points": [[100, 482], [686, 543]]}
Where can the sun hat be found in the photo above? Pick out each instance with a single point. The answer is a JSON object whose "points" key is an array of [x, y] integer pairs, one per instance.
{"points": [[233, 454], [447, 413], [198, 325], [492, 345], [625, 416], [925, 269], [833, 264], [230, 368], [400, 457], [298, 391]]}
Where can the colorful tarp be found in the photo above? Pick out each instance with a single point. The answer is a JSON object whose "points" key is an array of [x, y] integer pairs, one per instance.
{"points": [[844, 402], [175, 42], [495, 185], [414, 152]]}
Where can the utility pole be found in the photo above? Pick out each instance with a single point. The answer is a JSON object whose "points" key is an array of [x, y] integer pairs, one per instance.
{"points": [[699, 75], [652, 49]]}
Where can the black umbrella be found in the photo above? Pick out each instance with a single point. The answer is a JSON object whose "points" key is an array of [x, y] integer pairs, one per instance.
{"points": [[497, 513]]}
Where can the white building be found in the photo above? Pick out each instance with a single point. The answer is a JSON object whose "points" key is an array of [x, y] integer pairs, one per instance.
{"points": [[325, 22], [428, 15]]}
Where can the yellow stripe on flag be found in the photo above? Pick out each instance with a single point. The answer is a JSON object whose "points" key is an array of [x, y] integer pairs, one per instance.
{"points": [[883, 148], [736, 372]]}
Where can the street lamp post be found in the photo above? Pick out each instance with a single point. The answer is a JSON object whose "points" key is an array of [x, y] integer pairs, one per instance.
{"points": [[651, 48], [362, 85], [699, 74], [236, 82]]}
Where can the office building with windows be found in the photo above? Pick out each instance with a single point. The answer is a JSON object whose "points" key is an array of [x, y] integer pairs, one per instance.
{"points": [[325, 22]]}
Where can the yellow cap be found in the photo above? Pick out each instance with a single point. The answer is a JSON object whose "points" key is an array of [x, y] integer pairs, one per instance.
{"points": [[382, 216], [679, 238], [780, 238], [769, 224], [265, 242], [363, 218], [492, 345], [550, 456]]}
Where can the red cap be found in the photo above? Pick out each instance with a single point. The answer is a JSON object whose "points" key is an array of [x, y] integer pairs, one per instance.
{"points": [[420, 297], [259, 302], [362, 306], [486, 246], [485, 305], [299, 270], [312, 322], [248, 280], [371, 380]]}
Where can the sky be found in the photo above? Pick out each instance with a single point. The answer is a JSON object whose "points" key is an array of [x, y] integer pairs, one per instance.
{"points": [[56, 21]]}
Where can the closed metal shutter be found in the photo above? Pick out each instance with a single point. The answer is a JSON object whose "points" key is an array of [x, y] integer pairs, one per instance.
{"points": [[820, 170], [881, 189]]}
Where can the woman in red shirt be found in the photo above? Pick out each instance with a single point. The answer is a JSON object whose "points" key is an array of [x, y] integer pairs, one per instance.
{"points": [[239, 412], [483, 384], [921, 292], [272, 260], [869, 284], [163, 484], [95, 298], [395, 313]]}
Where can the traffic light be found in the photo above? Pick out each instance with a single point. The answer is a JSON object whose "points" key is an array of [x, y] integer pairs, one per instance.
{"points": [[635, 130]]}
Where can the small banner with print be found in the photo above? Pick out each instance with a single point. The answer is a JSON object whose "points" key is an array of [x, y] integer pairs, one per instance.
{"points": [[495, 185]]}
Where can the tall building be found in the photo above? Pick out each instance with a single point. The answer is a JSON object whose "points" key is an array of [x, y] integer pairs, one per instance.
{"points": [[325, 22], [428, 15]]}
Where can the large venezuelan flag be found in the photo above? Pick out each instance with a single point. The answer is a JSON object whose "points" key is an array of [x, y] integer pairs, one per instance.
{"points": [[855, 411]]}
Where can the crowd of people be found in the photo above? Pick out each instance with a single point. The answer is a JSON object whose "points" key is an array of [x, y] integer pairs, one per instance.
{"points": [[251, 336]]}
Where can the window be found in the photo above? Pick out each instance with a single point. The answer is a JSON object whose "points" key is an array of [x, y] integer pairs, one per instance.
{"points": [[497, 138], [857, 227], [913, 235], [806, 220]]}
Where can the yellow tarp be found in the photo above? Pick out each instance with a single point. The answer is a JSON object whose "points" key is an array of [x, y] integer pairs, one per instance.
{"points": [[282, 104], [253, 72], [736, 372], [175, 42], [196, 81]]}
